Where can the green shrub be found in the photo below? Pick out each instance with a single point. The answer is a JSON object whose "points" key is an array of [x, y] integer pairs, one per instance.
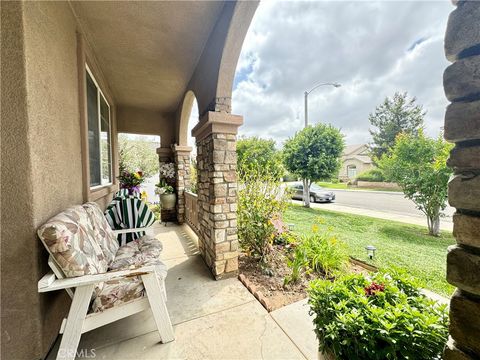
{"points": [[288, 177], [193, 188], [320, 253], [382, 317], [156, 210], [374, 175], [261, 199]]}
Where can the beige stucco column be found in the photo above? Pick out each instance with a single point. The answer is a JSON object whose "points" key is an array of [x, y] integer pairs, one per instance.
{"points": [[181, 155], [217, 191], [462, 126]]}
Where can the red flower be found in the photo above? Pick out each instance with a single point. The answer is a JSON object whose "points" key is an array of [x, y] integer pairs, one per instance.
{"points": [[373, 288]]}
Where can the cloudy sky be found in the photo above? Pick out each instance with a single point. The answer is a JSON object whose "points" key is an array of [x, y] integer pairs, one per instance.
{"points": [[372, 48]]}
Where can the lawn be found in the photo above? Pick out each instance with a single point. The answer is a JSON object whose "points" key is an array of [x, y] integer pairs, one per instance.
{"points": [[331, 185], [344, 186], [398, 244]]}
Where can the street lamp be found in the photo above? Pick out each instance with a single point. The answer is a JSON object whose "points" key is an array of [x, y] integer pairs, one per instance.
{"points": [[312, 89]]}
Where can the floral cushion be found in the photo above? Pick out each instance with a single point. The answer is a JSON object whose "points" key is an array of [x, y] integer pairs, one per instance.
{"points": [[68, 237], [137, 253], [103, 233], [141, 252], [115, 292]]}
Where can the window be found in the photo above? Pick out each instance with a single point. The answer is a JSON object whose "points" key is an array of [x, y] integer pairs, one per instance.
{"points": [[351, 171], [99, 134]]}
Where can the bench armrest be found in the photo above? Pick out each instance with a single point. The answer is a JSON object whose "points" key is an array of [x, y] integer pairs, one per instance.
{"points": [[49, 283]]}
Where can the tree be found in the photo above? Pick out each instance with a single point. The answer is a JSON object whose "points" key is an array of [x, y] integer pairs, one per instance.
{"points": [[136, 153], [314, 154], [259, 155], [419, 165], [398, 114]]}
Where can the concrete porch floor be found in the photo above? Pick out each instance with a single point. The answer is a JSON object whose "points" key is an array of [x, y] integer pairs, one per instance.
{"points": [[211, 319]]}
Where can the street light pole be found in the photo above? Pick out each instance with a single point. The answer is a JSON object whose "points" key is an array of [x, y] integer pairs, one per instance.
{"points": [[306, 185], [312, 89], [306, 108]]}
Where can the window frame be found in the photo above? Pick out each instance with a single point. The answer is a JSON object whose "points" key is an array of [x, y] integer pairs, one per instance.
{"points": [[349, 169], [110, 133]]}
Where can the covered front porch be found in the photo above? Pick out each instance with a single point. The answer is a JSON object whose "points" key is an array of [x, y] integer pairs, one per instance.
{"points": [[77, 75], [211, 319]]}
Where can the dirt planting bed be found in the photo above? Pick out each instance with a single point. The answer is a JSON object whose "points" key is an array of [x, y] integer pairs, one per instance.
{"points": [[267, 284]]}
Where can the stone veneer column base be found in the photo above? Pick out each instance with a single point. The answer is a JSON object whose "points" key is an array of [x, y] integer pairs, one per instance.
{"points": [[217, 191], [461, 83], [182, 168]]}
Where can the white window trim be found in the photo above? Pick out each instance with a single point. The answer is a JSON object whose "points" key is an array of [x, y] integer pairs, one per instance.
{"points": [[100, 93]]}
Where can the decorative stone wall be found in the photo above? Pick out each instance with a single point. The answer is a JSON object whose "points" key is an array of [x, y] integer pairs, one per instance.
{"points": [[182, 169], [462, 126], [165, 155], [217, 191]]}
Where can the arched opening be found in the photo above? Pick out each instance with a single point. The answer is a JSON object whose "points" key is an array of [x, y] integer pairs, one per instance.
{"points": [[188, 111], [138, 153]]}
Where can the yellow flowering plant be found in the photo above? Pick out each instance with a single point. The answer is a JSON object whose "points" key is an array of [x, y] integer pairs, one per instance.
{"points": [[131, 180]]}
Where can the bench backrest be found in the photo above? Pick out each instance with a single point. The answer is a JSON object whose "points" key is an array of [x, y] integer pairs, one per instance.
{"points": [[103, 233], [78, 241]]}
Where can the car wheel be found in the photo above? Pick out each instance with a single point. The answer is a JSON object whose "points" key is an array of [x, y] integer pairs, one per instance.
{"points": [[312, 199]]}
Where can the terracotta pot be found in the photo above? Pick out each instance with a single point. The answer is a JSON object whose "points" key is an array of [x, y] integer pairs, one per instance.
{"points": [[168, 201]]}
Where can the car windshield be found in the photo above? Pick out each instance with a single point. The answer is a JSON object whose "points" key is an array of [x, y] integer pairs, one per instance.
{"points": [[316, 187]]}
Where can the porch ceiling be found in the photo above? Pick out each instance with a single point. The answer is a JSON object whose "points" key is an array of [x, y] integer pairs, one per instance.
{"points": [[147, 50]]}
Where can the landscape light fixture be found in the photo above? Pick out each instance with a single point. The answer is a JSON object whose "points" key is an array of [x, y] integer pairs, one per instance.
{"points": [[334, 84], [370, 251]]}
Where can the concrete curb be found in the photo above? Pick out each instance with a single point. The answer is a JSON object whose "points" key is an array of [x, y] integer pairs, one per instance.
{"points": [[257, 294]]}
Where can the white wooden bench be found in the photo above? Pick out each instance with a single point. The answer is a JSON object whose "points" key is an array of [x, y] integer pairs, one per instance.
{"points": [[81, 288]]}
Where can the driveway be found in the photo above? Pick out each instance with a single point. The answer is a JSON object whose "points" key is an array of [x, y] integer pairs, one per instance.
{"points": [[382, 204]]}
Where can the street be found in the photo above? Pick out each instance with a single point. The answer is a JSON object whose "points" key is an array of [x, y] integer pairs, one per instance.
{"points": [[385, 205]]}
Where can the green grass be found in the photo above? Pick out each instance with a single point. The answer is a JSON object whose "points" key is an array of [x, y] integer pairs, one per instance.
{"points": [[330, 185], [400, 245], [344, 186]]}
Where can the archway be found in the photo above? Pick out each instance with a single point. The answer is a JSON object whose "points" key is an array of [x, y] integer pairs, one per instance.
{"points": [[187, 117]]}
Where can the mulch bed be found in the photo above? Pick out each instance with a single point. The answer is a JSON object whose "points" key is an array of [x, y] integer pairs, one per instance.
{"points": [[268, 285]]}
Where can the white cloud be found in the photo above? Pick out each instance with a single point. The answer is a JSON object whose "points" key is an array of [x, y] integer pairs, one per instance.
{"points": [[372, 48]]}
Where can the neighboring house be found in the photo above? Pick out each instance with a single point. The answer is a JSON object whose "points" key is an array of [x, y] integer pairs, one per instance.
{"points": [[355, 160]]}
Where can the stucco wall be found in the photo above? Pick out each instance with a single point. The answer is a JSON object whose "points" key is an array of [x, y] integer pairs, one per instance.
{"points": [[41, 155], [18, 262], [147, 122]]}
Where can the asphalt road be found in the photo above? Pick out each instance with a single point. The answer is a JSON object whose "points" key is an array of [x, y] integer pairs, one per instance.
{"points": [[386, 205]]}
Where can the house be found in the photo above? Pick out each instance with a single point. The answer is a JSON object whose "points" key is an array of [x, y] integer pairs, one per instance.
{"points": [[76, 73], [355, 160]]}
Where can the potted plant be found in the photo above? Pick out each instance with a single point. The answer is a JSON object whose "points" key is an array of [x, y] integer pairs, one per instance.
{"points": [[166, 191], [168, 198], [131, 180]]}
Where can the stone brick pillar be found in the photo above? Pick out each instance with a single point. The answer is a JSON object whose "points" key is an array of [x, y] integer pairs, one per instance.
{"points": [[182, 168], [462, 126], [165, 155], [217, 191]]}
